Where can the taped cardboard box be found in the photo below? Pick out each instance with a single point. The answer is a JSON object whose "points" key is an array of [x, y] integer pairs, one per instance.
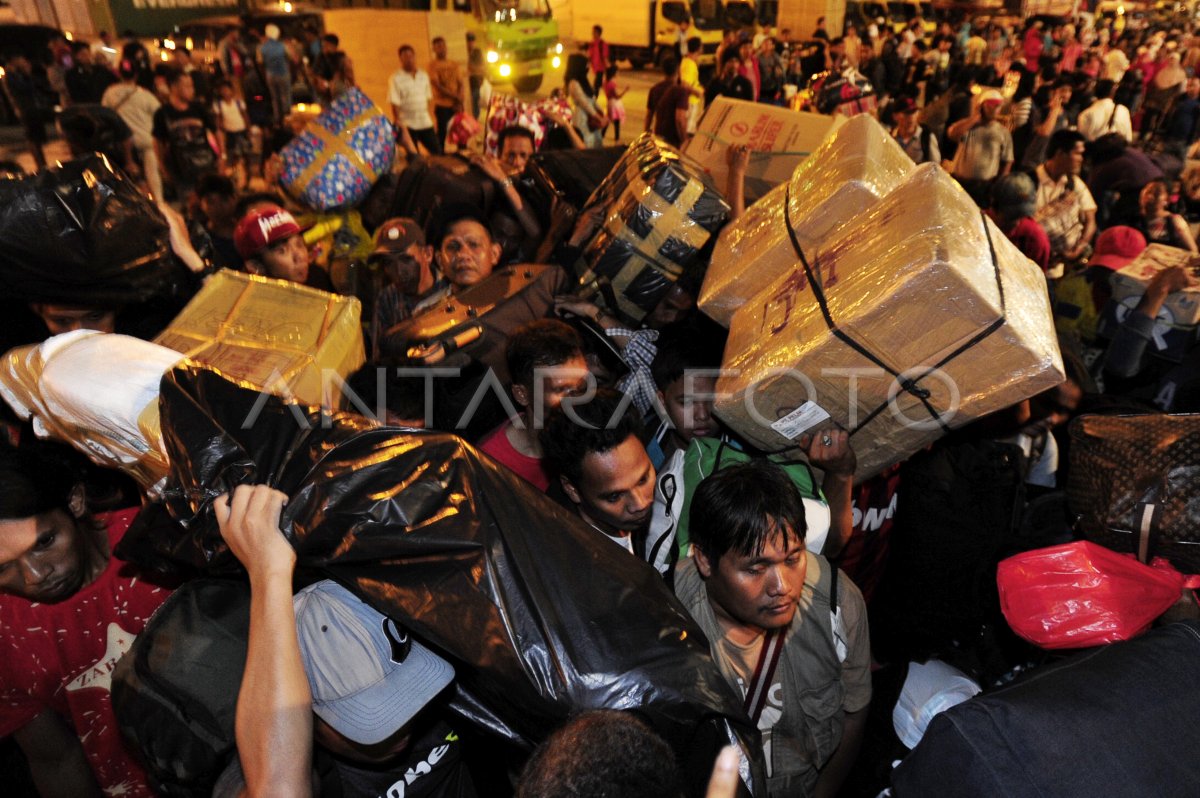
{"points": [[778, 138], [646, 226], [270, 334], [1131, 282], [843, 178], [918, 318]]}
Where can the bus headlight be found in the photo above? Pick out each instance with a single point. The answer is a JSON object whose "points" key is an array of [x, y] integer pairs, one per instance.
{"points": [[505, 70], [556, 62], [492, 56]]}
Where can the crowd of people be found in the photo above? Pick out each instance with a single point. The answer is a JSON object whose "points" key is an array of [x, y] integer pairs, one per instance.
{"points": [[1073, 136]]}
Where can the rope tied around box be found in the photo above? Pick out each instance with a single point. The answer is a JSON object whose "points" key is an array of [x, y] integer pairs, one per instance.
{"points": [[909, 385]]}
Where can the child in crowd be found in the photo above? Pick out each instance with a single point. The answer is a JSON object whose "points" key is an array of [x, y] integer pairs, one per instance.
{"points": [[616, 108], [233, 132]]}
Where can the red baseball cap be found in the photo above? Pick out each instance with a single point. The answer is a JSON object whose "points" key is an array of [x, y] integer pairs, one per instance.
{"points": [[1116, 247], [260, 229]]}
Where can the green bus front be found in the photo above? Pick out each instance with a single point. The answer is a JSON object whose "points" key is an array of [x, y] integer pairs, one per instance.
{"points": [[520, 42]]}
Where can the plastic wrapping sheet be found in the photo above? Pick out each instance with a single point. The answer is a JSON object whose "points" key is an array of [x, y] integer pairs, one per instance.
{"points": [[340, 154], [918, 318], [270, 334], [1081, 594], [836, 185], [541, 616], [84, 234], [97, 392], [646, 226]]}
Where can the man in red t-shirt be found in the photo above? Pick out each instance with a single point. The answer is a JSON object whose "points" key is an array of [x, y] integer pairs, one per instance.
{"points": [[68, 611], [546, 364]]}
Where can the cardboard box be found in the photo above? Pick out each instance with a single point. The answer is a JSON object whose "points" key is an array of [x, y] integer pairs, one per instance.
{"points": [[909, 287], [1182, 307], [779, 139], [855, 166], [646, 226], [261, 331]]}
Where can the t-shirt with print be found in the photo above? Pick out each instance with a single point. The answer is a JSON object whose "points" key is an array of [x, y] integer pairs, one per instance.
{"points": [[1061, 207], [61, 657]]}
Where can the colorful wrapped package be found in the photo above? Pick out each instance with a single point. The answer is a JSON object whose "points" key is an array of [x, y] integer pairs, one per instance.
{"points": [[340, 155], [848, 173], [646, 226], [505, 110], [917, 318], [271, 335]]}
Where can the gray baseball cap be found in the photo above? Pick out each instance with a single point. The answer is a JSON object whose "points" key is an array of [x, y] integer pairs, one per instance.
{"points": [[368, 676]]}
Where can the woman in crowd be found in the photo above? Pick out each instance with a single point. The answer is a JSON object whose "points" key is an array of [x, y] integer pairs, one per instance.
{"points": [[1158, 224], [587, 119]]}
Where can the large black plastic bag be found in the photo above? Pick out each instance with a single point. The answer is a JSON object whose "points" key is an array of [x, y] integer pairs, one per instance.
{"points": [[83, 234], [542, 617]]}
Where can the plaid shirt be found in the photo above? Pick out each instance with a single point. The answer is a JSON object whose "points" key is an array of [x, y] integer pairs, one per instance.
{"points": [[639, 354]]}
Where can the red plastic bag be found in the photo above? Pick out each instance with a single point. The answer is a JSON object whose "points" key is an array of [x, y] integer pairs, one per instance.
{"points": [[1082, 594]]}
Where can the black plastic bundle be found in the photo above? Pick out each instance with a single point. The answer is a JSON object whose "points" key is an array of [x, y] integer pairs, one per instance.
{"points": [[84, 234], [542, 617]]}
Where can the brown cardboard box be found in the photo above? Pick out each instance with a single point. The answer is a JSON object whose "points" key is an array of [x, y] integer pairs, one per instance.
{"points": [[910, 286], [1131, 281], [260, 331], [778, 138], [842, 179]]}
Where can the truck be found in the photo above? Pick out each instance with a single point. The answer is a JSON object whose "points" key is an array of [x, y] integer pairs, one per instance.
{"points": [[647, 32]]}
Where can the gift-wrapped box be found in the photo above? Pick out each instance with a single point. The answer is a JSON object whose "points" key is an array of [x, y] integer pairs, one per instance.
{"points": [[918, 318], [271, 335], [646, 226], [340, 155], [505, 110], [855, 166], [97, 392], [778, 138]]}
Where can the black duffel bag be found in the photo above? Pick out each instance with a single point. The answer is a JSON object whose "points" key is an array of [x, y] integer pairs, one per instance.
{"points": [[84, 234]]}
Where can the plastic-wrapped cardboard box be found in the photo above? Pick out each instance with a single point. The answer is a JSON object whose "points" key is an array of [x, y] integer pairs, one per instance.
{"points": [[903, 326], [270, 334], [646, 226], [778, 138], [845, 176]]}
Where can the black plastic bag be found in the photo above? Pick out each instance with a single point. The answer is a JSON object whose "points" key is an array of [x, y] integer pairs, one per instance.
{"points": [[542, 617], [84, 234]]}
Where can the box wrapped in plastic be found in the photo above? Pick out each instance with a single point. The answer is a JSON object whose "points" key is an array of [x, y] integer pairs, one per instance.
{"points": [[271, 335], [97, 392], [340, 155], [505, 110], [778, 138], [646, 226], [855, 166], [918, 318]]}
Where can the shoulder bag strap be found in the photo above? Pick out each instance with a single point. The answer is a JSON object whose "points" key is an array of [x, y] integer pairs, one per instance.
{"points": [[764, 672]]}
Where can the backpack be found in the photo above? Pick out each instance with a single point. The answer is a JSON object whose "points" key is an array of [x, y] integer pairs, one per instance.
{"points": [[174, 693], [192, 153], [676, 483]]}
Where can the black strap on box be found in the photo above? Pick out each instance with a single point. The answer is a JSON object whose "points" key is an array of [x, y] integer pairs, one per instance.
{"points": [[909, 385]]}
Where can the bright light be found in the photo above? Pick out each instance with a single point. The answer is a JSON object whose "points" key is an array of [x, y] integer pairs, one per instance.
{"points": [[556, 62], [163, 55], [287, 8], [558, 48], [169, 44], [1, 73], [505, 70], [67, 35], [189, 44], [493, 56]]}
